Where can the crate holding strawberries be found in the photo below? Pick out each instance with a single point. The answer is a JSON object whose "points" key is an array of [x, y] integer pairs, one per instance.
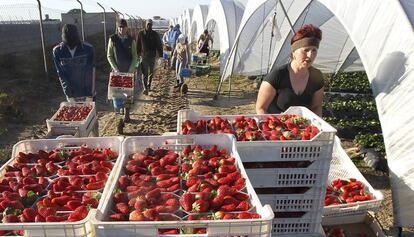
{"points": [[342, 191]]}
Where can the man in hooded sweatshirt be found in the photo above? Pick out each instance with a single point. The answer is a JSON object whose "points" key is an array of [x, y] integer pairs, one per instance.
{"points": [[148, 45], [75, 64]]}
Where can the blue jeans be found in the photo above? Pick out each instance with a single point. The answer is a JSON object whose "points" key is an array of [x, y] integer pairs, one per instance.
{"points": [[178, 67]]}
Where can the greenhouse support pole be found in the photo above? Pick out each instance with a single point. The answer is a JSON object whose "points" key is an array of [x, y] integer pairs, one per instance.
{"points": [[82, 25], [42, 37], [104, 25]]}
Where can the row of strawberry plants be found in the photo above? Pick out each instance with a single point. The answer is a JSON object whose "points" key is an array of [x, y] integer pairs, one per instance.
{"points": [[352, 82]]}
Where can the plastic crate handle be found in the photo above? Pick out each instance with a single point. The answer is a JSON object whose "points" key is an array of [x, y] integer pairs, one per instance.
{"points": [[353, 208]]}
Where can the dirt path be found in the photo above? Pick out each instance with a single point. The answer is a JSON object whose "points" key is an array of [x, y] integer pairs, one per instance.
{"points": [[152, 114]]}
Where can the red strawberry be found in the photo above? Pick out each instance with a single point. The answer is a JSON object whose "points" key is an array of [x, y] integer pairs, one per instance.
{"points": [[140, 203], [219, 215], [29, 215], [73, 204], [120, 197], [187, 200], [228, 208], [78, 214], [200, 206], [118, 217], [122, 208], [173, 188], [100, 176], [151, 214], [47, 211], [96, 185], [10, 218], [39, 218], [60, 201], [244, 215], [243, 206]]}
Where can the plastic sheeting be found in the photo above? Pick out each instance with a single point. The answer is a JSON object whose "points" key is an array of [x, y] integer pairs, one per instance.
{"points": [[375, 36], [198, 22], [187, 19], [223, 21]]}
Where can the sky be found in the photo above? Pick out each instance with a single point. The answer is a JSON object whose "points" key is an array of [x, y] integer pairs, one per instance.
{"points": [[143, 8]]}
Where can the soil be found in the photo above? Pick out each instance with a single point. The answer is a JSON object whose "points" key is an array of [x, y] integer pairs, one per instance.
{"points": [[156, 114]]}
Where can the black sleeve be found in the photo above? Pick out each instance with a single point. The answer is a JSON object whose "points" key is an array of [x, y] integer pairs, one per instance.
{"points": [[317, 79], [273, 78]]}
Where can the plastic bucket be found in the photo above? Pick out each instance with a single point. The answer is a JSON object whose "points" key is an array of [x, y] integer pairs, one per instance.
{"points": [[185, 72], [119, 101]]}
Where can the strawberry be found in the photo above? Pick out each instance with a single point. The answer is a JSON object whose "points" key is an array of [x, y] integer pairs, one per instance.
{"points": [[11, 204], [73, 204], [123, 182], [136, 216], [244, 215], [200, 206], [28, 215], [140, 203], [228, 208], [173, 188], [151, 214], [122, 208], [243, 206], [153, 194], [10, 218], [60, 201], [47, 211], [95, 185], [187, 200], [120, 197], [118, 217], [218, 215], [100, 176], [241, 196], [39, 218], [78, 214]]}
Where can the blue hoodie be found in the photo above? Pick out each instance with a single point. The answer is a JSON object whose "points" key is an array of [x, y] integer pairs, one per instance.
{"points": [[174, 36], [75, 73]]}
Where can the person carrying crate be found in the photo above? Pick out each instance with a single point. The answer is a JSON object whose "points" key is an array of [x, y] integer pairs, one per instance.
{"points": [[75, 65], [122, 53], [148, 45], [182, 53]]}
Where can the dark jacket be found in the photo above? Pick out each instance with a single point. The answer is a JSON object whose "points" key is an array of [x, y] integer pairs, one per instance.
{"points": [[75, 73], [122, 52], [148, 44]]}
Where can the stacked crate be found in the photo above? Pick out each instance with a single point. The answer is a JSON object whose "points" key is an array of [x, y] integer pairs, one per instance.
{"points": [[81, 228], [81, 128], [179, 220], [291, 175]]}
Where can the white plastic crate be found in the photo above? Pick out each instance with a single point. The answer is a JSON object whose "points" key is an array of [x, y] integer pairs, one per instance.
{"points": [[314, 175], [252, 227], [342, 167], [81, 228], [370, 224], [308, 224], [79, 128], [319, 147], [113, 91], [311, 200]]}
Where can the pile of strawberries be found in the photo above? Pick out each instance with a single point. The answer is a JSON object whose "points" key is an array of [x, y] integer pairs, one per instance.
{"points": [[36, 189], [346, 191], [197, 184], [283, 127], [73, 113], [121, 81]]}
